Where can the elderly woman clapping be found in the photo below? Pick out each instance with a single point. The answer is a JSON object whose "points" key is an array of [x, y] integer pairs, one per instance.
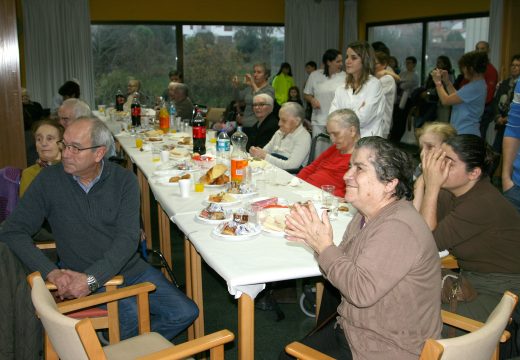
{"points": [[387, 266], [290, 145]]}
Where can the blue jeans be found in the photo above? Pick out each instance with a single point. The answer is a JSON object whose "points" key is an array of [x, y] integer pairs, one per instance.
{"points": [[513, 195], [170, 310]]}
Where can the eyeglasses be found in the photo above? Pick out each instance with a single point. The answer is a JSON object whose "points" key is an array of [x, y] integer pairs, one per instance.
{"points": [[75, 149], [260, 104]]}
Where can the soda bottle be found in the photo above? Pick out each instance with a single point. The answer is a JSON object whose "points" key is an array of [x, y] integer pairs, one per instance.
{"points": [[120, 100], [223, 147], [136, 110], [164, 118], [172, 114], [239, 155], [199, 134]]}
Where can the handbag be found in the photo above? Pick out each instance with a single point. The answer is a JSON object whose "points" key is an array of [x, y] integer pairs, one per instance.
{"points": [[456, 287]]}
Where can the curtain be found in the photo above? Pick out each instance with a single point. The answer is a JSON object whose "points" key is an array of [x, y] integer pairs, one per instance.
{"points": [[496, 16], [311, 27], [57, 48], [350, 28]]}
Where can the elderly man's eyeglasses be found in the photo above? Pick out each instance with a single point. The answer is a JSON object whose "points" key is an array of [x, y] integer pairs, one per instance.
{"points": [[260, 104], [75, 149]]}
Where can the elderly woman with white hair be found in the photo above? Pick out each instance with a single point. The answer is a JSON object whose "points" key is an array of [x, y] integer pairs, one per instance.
{"points": [[290, 145], [267, 121]]}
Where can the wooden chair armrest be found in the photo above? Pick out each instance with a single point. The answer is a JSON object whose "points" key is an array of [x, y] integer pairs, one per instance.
{"points": [[102, 298], [467, 324], [303, 352], [45, 245], [209, 342], [115, 281], [449, 262]]}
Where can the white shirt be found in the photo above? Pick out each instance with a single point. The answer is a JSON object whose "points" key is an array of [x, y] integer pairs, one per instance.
{"points": [[368, 104], [389, 89], [294, 146], [323, 89]]}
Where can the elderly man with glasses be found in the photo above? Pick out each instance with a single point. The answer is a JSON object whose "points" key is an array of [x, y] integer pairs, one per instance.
{"points": [[92, 206], [267, 121]]}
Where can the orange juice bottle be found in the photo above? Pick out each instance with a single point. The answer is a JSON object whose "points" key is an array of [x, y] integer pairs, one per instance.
{"points": [[238, 156], [164, 118]]}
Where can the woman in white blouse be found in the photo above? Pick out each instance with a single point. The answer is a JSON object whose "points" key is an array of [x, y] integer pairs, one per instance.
{"points": [[290, 145], [362, 92]]}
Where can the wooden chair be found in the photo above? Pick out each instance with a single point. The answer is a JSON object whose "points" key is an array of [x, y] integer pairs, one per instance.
{"points": [[77, 340], [480, 344]]}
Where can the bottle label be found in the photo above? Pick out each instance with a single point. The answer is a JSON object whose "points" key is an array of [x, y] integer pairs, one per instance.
{"points": [[199, 132], [237, 169], [136, 111], [223, 145], [164, 122]]}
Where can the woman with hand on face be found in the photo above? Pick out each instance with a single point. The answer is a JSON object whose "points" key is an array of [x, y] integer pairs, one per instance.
{"points": [[387, 266], [257, 83], [320, 87], [290, 145], [468, 102], [470, 217], [47, 133]]}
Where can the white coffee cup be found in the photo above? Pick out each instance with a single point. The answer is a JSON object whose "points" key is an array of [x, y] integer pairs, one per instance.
{"points": [[165, 156], [184, 187]]}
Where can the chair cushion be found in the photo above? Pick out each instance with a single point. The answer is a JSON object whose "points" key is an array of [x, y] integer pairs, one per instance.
{"points": [[137, 346], [88, 313]]}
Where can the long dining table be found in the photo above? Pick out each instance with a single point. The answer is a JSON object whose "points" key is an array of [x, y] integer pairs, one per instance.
{"points": [[246, 265]]}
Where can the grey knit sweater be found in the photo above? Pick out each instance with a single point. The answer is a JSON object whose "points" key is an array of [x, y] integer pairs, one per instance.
{"points": [[96, 233]]}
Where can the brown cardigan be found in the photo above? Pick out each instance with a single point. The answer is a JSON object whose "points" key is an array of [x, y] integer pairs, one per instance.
{"points": [[388, 273]]}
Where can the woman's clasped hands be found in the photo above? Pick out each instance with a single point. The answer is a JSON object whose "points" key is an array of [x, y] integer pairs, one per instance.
{"points": [[435, 167]]}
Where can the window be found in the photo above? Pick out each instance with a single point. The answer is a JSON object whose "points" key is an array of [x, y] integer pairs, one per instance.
{"points": [[144, 52], [450, 37], [212, 55]]}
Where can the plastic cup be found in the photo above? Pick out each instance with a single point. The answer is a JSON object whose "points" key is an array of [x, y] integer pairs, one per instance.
{"points": [[165, 156], [138, 142], [184, 187], [156, 154], [101, 109], [327, 194], [199, 187]]}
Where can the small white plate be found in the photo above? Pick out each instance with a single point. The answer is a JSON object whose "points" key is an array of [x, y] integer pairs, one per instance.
{"points": [[257, 230], [241, 196], [211, 186], [210, 221], [229, 203], [165, 180]]}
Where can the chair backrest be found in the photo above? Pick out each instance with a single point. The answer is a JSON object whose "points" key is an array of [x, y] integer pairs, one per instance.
{"points": [[318, 139], [481, 343], [61, 329]]}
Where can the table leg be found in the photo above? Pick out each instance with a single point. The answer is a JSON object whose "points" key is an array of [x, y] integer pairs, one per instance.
{"points": [[164, 236], [196, 288], [189, 281], [246, 327], [145, 206], [319, 294]]}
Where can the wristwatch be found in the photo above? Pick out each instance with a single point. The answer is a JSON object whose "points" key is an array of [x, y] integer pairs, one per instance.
{"points": [[92, 283]]}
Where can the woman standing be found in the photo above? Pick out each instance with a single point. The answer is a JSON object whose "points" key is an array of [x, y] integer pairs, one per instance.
{"points": [[320, 88], [468, 102], [47, 133], [362, 92], [282, 82]]}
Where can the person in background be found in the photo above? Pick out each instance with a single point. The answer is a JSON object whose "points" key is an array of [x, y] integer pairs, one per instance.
{"points": [[333, 163], [381, 46], [469, 217], [389, 88], [282, 82], [320, 88], [170, 94], [294, 95], [175, 77], [386, 267], [134, 86], [394, 64], [468, 102], [289, 147], [310, 67], [257, 83], [409, 81], [32, 112], [92, 207], [71, 110], [362, 92], [69, 90], [47, 134], [266, 122], [183, 104], [502, 100], [511, 153]]}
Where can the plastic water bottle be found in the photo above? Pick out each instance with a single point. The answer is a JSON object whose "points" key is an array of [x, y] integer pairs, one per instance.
{"points": [[239, 157], [173, 114], [223, 147]]}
